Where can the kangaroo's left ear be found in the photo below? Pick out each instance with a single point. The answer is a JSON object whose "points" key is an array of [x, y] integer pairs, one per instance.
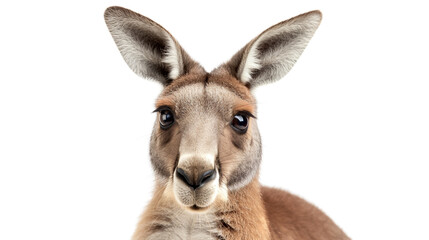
{"points": [[271, 55]]}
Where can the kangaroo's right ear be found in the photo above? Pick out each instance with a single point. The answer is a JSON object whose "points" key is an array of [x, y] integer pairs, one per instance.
{"points": [[148, 49]]}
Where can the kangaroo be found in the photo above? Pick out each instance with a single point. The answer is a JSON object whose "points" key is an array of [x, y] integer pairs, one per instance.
{"points": [[205, 147]]}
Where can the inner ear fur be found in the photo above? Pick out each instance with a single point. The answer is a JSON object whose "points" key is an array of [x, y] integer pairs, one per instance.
{"points": [[270, 56], [148, 49]]}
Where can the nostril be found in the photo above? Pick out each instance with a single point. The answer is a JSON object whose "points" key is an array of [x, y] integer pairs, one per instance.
{"points": [[207, 176], [180, 173]]}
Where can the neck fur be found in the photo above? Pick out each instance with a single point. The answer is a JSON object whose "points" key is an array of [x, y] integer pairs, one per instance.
{"points": [[242, 216]]}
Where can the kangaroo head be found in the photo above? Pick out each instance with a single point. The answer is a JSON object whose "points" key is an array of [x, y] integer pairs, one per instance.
{"points": [[205, 142]]}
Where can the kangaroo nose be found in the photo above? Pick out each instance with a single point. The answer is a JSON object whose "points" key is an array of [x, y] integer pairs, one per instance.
{"points": [[195, 182]]}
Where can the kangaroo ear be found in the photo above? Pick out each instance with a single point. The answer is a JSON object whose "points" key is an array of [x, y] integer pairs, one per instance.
{"points": [[271, 55], [148, 49]]}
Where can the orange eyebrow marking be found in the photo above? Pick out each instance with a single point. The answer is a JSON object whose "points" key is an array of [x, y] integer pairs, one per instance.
{"points": [[164, 102], [245, 106]]}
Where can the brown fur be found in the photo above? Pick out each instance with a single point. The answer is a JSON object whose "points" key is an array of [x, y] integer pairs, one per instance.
{"points": [[225, 79], [196, 75], [292, 217], [164, 102], [243, 215], [244, 106]]}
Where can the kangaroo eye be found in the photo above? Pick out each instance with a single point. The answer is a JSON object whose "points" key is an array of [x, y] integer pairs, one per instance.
{"points": [[240, 122], [166, 118]]}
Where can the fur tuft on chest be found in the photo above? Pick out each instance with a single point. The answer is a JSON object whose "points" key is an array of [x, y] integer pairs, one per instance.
{"points": [[176, 224]]}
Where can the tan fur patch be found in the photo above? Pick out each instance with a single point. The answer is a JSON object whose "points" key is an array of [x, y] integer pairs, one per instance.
{"points": [[223, 78], [242, 105], [188, 79], [242, 217], [165, 101]]}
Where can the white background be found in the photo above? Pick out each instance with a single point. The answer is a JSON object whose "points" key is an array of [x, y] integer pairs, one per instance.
{"points": [[347, 128]]}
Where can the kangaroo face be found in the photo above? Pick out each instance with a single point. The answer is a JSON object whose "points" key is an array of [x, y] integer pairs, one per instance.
{"points": [[205, 140]]}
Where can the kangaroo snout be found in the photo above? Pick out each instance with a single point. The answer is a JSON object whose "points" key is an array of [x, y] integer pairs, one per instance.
{"points": [[196, 180]]}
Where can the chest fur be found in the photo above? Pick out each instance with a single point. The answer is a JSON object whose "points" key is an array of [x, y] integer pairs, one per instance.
{"points": [[184, 225]]}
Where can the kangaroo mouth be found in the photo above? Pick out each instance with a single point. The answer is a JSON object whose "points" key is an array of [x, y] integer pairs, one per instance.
{"points": [[198, 209]]}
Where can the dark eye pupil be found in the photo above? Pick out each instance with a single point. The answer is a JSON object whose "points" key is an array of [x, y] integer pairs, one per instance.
{"points": [[166, 118], [240, 123]]}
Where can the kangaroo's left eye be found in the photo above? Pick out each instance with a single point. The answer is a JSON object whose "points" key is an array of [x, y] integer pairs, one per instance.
{"points": [[240, 123]]}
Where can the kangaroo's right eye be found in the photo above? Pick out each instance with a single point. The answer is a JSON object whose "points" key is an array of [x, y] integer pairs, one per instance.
{"points": [[166, 118]]}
